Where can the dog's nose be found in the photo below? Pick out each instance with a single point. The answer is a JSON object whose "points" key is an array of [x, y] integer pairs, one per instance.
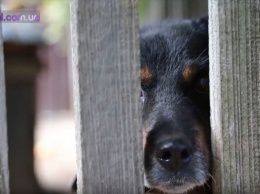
{"points": [[173, 154]]}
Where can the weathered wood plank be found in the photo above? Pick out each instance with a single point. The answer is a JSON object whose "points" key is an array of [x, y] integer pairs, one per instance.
{"points": [[234, 32], [105, 49], [4, 175]]}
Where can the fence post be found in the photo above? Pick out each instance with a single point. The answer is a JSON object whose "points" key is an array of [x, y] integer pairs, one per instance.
{"points": [[4, 174], [234, 41], [105, 57]]}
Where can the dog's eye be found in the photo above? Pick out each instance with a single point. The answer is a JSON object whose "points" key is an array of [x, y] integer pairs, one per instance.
{"points": [[202, 85]]}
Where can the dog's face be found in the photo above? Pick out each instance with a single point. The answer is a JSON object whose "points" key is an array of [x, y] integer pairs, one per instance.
{"points": [[175, 98]]}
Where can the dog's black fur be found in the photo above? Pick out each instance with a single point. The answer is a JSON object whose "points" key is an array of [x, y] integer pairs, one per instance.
{"points": [[176, 112], [175, 100]]}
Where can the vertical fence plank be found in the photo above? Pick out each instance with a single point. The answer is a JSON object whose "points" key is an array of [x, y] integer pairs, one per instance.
{"points": [[105, 56], [234, 29], [4, 174]]}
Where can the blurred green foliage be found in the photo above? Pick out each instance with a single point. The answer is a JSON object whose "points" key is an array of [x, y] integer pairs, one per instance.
{"points": [[56, 15]]}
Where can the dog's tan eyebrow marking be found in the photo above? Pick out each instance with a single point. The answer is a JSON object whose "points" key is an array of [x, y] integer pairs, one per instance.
{"points": [[189, 73], [146, 75]]}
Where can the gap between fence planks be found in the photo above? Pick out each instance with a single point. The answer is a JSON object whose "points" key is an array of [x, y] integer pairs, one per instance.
{"points": [[4, 173], [105, 56], [234, 36]]}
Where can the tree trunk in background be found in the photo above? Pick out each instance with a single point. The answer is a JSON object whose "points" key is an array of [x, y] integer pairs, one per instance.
{"points": [[21, 69]]}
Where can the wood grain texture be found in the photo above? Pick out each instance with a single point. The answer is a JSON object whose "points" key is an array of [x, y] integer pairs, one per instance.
{"points": [[105, 57], [4, 175], [234, 36]]}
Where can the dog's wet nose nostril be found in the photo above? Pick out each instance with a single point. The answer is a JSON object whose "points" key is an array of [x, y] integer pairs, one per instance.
{"points": [[173, 155]]}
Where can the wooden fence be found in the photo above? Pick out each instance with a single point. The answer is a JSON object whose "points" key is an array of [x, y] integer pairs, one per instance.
{"points": [[234, 35], [106, 88], [105, 52]]}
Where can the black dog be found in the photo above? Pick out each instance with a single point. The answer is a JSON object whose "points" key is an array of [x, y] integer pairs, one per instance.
{"points": [[176, 112], [175, 100]]}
